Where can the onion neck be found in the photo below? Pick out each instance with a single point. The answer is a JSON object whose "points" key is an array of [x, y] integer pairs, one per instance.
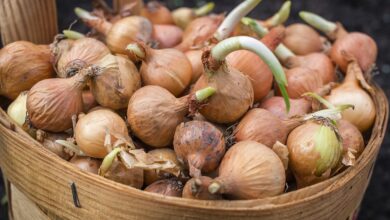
{"points": [[230, 22], [331, 29], [292, 123], [73, 35], [354, 75], [137, 50], [100, 24], [81, 78], [204, 10], [218, 54], [280, 17]]}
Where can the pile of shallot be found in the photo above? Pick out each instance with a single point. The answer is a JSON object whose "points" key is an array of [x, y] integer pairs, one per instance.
{"points": [[188, 103]]}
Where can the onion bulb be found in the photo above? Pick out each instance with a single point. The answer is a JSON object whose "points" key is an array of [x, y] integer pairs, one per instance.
{"points": [[276, 106], [167, 36], [116, 83], [157, 13], [183, 16], [51, 103], [151, 176], [195, 58], [197, 188], [357, 44], [17, 110], [199, 31], [154, 113], [87, 164], [351, 92], [199, 145], [167, 187], [22, 64], [302, 80], [83, 53], [48, 140], [301, 39], [314, 150], [92, 130], [249, 170], [168, 68], [122, 32], [131, 177], [352, 141], [89, 101]]}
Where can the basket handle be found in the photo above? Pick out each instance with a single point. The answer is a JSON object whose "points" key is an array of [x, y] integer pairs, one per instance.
{"points": [[34, 21]]}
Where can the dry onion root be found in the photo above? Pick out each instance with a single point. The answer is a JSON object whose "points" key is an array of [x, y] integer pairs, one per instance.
{"points": [[357, 44], [168, 68], [199, 145], [197, 188], [154, 113], [49, 141], [249, 170], [122, 32], [23, 64], [183, 16]]}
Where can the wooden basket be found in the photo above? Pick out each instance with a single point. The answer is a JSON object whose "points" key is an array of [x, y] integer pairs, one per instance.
{"points": [[43, 181]]}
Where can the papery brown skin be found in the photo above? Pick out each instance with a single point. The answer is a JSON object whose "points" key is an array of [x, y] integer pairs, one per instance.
{"points": [[253, 66], [167, 36], [167, 187], [199, 145], [91, 129], [264, 127], [128, 30], [87, 164], [131, 177], [154, 113], [316, 61], [23, 64], [168, 68], [199, 31], [117, 82], [183, 16], [276, 105], [303, 156], [351, 137], [89, 101], [157, 13], [301, 39], [233, 98], [83, 53], [193, 191], [151, 176], [48, 141], [195, 58], [301, 80], [51, 103], [360, 46], [250, 170]]}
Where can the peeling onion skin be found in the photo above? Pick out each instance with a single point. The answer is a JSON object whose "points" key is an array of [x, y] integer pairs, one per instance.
{"points": [[151, 176], [167, 36], [83, 53], [276, 105], [131, 177], [23, 64], [166, 187], [301, 39], [48, 142], [194, 191], [200, 145], [359, 45], [87, 164], [90, 131], [153, 115], [263, 127], [251, 170], [116, 84]]}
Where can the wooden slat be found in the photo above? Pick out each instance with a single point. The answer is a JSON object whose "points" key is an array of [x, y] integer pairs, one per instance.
{"points": [[34, 21]]}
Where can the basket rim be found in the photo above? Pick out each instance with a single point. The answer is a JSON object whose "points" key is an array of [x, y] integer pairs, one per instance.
{"points": [[282, 200]]}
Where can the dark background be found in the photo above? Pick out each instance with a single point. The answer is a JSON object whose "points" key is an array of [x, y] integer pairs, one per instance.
{"points": [[369, 16]]}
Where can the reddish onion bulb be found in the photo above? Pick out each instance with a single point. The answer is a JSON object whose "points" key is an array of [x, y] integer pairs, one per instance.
{"points": [[302, 80], [276, 106], [157, 13], [22, 64], [87, 164], [91, 130], [168, 68], [301, 39], [52, 103], [249, 170], [197, 188], [89, 101], [167, 187], [167, 36], [199, 145], [154, 113]]}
